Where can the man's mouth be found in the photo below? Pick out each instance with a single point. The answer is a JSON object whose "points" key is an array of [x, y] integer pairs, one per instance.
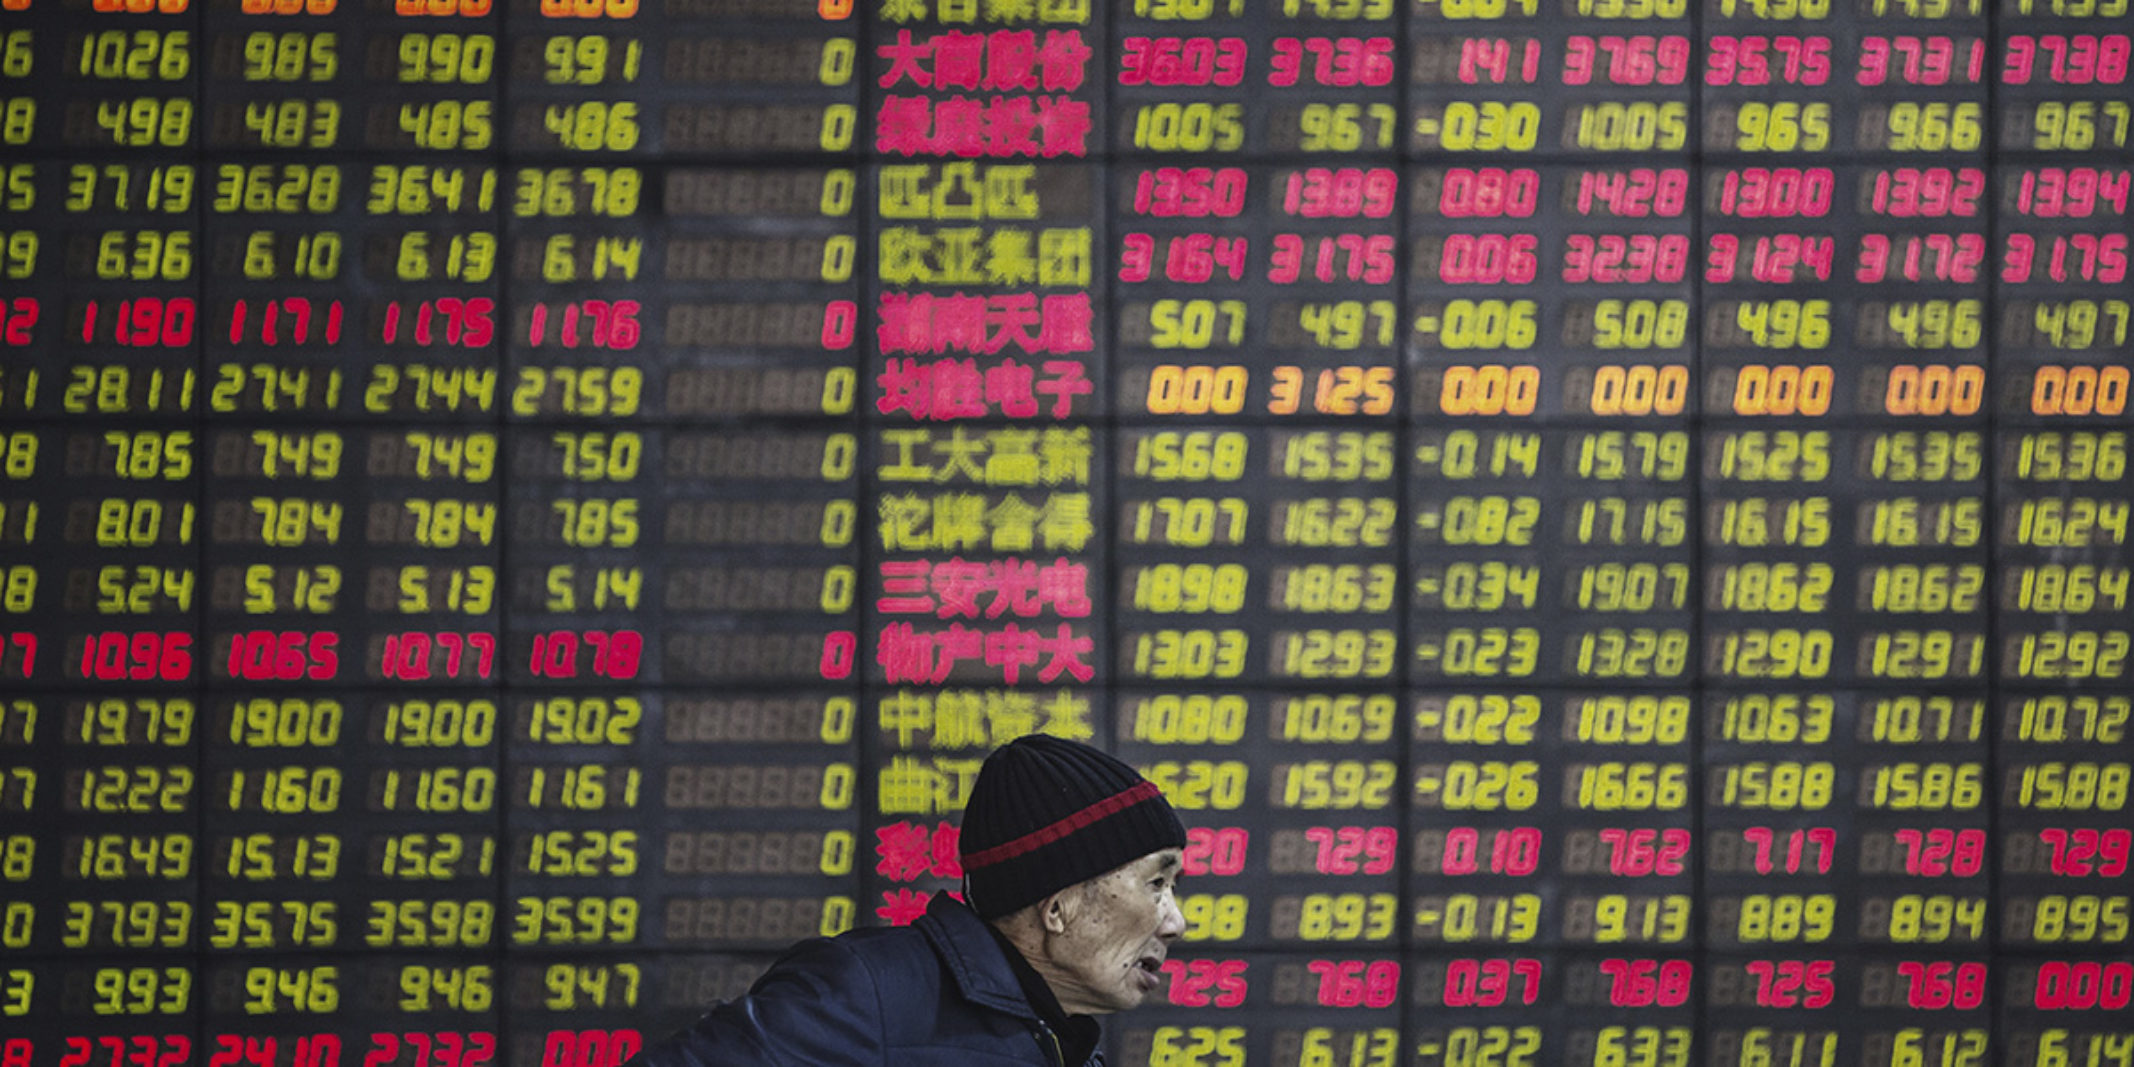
{"points": [[1148, 971]]}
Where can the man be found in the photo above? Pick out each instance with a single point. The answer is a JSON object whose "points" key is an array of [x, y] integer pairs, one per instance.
{"points": [[1070, 861]]}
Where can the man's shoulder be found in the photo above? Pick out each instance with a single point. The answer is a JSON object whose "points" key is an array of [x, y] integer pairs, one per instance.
{"points": [[948, 950], [891, 955]]}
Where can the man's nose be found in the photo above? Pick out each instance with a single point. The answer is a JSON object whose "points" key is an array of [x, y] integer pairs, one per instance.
{"points": [[1173, 922]]}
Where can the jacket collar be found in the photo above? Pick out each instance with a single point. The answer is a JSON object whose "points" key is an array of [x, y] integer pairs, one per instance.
{"points": [[977, 960]]}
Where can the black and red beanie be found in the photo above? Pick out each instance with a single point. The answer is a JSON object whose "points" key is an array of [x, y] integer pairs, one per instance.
{"points": [[1047, 813]]}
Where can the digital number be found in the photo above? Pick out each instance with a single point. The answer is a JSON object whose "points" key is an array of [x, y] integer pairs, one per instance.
{"points": [[1193, 588], [1783, 786], [1195, 390], [1787, 917], [1174, 61], [446, 58], [1195, 323], [586, 60], [429, 923], [2080, 390], [1196, 127], [1342, 127], [1191, 653], [1197, 719], [138, 55], [312, 124], [1935, 127], [2079, 125], [142, 990], [139, 123], [291, 57], [592, 125], [1491, 126], [1783, 126], [452, 125], [1638, 126], [1784, 323], [2078, 786]]}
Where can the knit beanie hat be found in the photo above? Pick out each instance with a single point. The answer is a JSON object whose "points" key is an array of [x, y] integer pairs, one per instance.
{"points": [[1047, 813]]}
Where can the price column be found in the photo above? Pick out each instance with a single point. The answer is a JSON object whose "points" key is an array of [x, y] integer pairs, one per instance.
{"points": [[1912, 854], [1629, 836], [985, 570], [1621, 240], [1480, 328], [32, 185], [583, 384], [105, 951], [26, 296], [1332, 211], [124, 795], [30, 965], [1921, 231], [2062, 530], [1188, 211], [1921, 821], [25, 750], [1332, 774], [1773, 840], [2063, 843], [126, 792], [1920, 252], [576, 370], [1482, 912], [2062, 533], [1773, 114], [122, 802]]}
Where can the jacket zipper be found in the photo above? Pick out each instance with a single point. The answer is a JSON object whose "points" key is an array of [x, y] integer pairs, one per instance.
{"points": [[1059, 1055]]}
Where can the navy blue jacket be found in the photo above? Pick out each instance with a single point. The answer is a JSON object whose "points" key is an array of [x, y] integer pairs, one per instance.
{"points": [[937, 993]]}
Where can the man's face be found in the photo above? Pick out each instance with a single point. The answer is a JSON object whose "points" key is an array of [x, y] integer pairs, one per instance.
{"points": [[1109, 954]]}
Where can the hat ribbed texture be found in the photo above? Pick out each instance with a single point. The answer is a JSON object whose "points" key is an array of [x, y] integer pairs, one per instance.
{"points": [[1047, 813]]}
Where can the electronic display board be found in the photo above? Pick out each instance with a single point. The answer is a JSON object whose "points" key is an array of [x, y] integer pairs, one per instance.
{"points": [[1608, 518]]}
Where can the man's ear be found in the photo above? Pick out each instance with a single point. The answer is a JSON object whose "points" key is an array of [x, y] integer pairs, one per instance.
{"points": [[1057, 910]]}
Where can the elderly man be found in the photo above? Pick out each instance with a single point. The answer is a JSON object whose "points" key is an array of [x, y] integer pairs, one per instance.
{"points": [[1070, 863]]}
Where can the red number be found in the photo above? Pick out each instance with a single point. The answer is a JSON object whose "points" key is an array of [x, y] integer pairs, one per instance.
{"points": [[413, 656], [1339, 847], [1638, 983], [1348, 983], [290, 655], [589, 1048], [1192, 979], [2081, 986], [16, 318], [1489, 983], [1943, 984], [1217, 850], [1934, 853], [1637, 853], [137, 657], [1794, 983]]}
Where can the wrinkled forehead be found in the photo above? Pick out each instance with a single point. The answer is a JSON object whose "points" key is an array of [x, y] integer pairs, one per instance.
{"points": [[1160, 862]]}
